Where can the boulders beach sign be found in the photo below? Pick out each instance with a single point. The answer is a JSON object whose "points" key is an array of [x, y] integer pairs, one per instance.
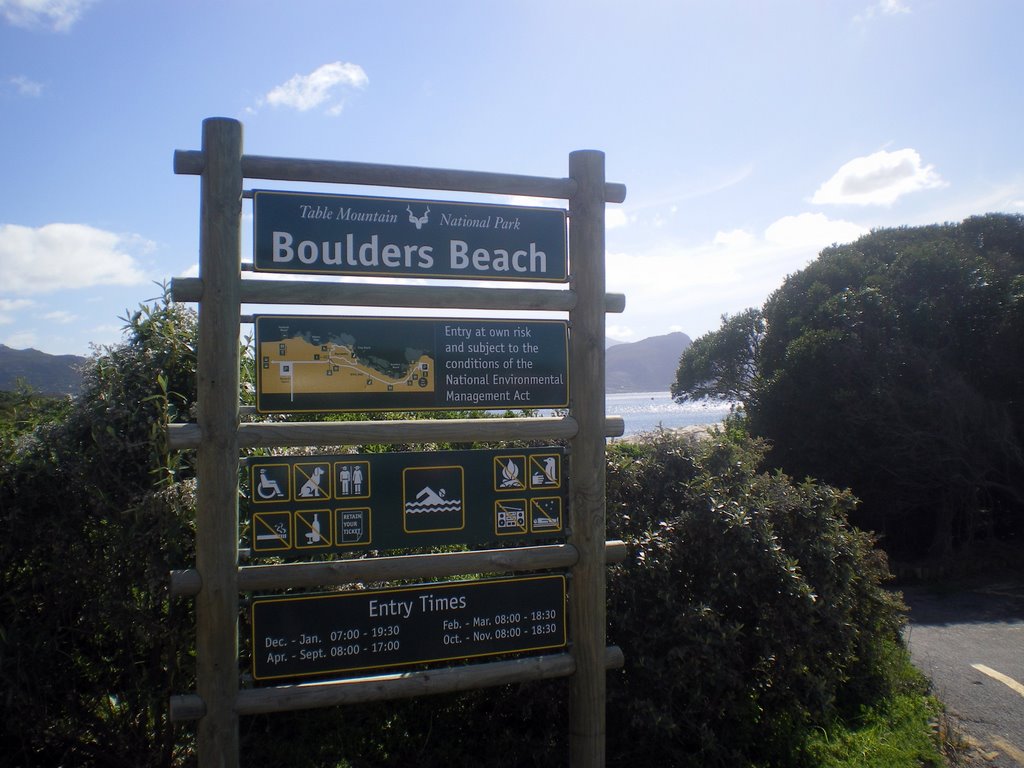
{"points": [[397, 237]]}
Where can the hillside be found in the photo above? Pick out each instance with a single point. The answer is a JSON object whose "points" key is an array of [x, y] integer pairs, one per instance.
{"points": [[648, 365], [48, 374]]}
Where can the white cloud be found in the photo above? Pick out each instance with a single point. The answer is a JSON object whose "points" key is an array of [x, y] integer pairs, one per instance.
{"points": [[878, 179], [811, 230], [619, 332], [9, 306], [537, 202], [61, 15], [676, 286], [22, 340], [883, 8], [66, 256], [27, 87], [615, 218], [733, 238], [320, 87], [60, 316]]}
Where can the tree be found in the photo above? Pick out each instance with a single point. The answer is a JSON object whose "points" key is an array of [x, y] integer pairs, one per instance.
{"points": [[893, 366], [90, 646], [722, 364]]}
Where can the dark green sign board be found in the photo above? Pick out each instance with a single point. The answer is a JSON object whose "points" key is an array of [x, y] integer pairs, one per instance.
{"points": [[326, 634], [303, 505], [330, 363], [393, 237]]}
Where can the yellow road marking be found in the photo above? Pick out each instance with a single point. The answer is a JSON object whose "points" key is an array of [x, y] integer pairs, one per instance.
{"points": [[996, 675], [1008, 749]]}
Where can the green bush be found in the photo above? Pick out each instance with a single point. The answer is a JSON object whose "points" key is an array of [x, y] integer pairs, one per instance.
{"points": [[89, 648], [748, 608]]}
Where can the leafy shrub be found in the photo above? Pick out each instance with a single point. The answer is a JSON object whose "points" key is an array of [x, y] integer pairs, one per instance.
{"points": [[748, 609], [88, 647], [893, 366]]}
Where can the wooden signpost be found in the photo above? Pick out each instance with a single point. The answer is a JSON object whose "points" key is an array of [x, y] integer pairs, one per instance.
{"points": [[310, 363]]}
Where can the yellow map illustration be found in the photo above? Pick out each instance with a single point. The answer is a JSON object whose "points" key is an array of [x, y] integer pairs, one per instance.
{"points": [[294, 365]]}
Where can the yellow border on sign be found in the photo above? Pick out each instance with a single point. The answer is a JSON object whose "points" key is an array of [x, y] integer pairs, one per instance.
{"points": [[337, 481], [499, 470], [297, 469], [258, 518], [325, 531], [526, 517], [253, 485], [556, 482], [534, 529], [392, 409], [369, 527], [462, 499], [435, 586]]}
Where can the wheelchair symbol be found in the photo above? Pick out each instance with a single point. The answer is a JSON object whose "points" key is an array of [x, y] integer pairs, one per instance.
{"points": [[268, 487]]}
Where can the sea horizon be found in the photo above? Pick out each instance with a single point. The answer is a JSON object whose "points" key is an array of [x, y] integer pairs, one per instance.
{"points": [[649, 411]]}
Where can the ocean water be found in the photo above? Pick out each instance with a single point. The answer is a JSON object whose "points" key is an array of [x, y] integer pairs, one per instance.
{"points": [[647, 411]]}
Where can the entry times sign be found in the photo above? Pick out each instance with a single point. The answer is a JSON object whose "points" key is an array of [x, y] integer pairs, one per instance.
{"points": [[351, 631]]}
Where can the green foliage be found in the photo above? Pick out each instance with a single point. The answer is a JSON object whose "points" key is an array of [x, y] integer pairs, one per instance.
{"points": [[89, 645], [885, 735], [893, 366], [749, 610], [722, 364], [23, 410]]}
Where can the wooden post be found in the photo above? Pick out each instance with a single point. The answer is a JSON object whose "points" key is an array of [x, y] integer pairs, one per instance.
{"points": [[587, 500], [217, 457]]}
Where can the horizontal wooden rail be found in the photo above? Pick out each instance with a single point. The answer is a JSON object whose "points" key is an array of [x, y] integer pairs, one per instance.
{"points": [[284, 698], [187, 581], [192, 162], [257, 291], [295, 434]]}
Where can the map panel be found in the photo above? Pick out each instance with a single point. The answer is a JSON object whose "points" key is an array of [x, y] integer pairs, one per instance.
{"points": [[316, 363]]}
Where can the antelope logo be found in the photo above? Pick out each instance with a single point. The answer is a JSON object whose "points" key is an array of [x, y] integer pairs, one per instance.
{"points": [[419, 221]]}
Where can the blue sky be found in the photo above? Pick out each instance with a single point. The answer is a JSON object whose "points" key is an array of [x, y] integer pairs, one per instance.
{"points": [[749, 134]]}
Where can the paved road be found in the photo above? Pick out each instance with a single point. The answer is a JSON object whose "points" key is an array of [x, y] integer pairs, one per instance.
{"points": [[970, 642]]}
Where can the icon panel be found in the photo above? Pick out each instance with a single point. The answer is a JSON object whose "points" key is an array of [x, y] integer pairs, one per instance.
{"points": [[433, 499], [270, 483], [352, 480], [313, 529], [510, 473], [312, 481], [271, 531], [510, 517], [545, 471], [546, 514], [353, 527]]}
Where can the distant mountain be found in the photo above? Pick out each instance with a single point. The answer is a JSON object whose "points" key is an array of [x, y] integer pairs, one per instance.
{"points": [[648, 365], [49, 374]]}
